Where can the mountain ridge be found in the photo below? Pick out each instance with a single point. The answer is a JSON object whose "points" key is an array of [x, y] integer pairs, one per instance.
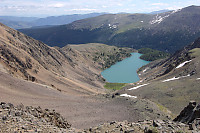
{"points": [[167, 31], [32, 22]]}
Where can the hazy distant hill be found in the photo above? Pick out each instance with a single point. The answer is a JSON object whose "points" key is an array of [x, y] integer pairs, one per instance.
{"points": [[28, 22], [16, 24], [64, 19], [167, 31], [96, 29], [160, 11]]}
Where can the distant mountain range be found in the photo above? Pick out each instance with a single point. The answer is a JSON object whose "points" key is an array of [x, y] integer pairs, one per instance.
{"points": [[28, 22], [168, 31], [160, 11]]}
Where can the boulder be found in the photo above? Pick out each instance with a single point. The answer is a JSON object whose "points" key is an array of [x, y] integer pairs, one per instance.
{"points": [[190, 115]]}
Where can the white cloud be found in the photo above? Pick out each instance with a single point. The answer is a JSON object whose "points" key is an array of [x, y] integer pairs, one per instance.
{"points": [[119, 4], [83, 9], [57, 5], [159, 4], [173, 7], [103, 6], [61, 7]]}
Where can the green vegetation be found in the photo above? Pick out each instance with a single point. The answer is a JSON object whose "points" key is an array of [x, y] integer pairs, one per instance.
{"points": [[151, 54], [173, 95], [162, 108], [114, 86], [195, 52], [152, 130], [111, 56]]}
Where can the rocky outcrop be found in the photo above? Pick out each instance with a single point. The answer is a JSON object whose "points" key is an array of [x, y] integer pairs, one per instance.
{"points": [[30, 119], [146, 126], [34, 119], [190, 115]]}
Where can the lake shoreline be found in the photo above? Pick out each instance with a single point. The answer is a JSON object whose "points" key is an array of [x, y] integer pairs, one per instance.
{"points": [[125, 71]]}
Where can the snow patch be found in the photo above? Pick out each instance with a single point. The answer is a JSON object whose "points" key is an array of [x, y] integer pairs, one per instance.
{"points": [[178, 10], [174, 78], [144, 70], [114, 26], [126, 95], [158, 19], [185, 76], [134, 88], [141, 81], [141, 21], [198, 78], [182, 64]]}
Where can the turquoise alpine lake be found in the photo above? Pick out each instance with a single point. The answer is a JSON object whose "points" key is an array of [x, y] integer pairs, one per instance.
{"points": [[125, 71]]}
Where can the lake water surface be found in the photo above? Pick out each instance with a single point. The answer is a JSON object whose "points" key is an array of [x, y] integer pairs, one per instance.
{"points": [[125, 71]]}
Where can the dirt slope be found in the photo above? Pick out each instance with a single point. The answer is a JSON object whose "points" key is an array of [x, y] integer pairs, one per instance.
{"points": [[80, 111]]}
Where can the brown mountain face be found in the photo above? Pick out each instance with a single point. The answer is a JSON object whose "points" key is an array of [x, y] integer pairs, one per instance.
{"points": [[30, 59], [68, 69]]}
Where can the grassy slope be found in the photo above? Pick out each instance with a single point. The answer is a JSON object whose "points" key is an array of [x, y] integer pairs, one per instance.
{"points": [[115, 86], [195, 52], [106, 55], [174, 94]]}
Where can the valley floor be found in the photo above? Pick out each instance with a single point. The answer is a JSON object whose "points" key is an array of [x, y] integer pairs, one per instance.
{"points": [[82, 111]]}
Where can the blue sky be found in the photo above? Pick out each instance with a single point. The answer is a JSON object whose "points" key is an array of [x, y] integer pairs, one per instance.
{"points": [[41, 8]]}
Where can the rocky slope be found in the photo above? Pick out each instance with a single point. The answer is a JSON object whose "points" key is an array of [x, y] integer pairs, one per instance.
{"points": [[188, 121], [189, 114], [34, 119], [167, 31], [29, 119]]}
